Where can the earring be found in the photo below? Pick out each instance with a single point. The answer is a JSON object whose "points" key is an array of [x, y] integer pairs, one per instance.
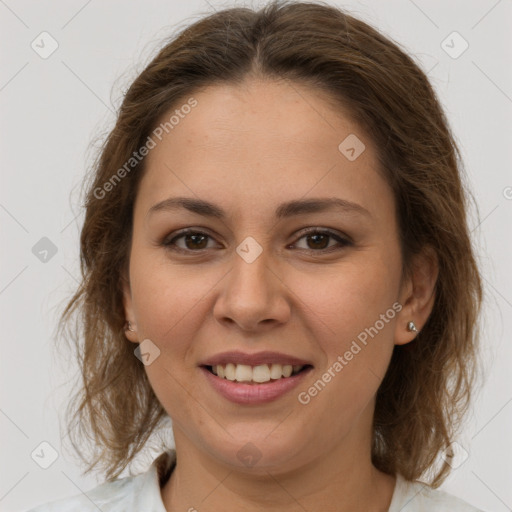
{"points": [[412, 327], [128, 327]]}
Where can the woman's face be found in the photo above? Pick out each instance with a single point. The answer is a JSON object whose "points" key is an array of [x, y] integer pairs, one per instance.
{"points": [[252, 281]]}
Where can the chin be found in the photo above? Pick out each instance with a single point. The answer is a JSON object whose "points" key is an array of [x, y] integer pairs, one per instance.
{"points": [[257, 454]]}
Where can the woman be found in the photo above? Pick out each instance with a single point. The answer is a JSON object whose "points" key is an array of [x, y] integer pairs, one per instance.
{"points": [[276, 257]]}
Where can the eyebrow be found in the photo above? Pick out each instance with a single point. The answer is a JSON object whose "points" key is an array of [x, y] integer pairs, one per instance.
{"points": [[284, 210]]}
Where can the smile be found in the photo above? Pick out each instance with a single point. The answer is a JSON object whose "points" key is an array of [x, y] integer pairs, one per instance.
{"points": [[252, 392], [258, 374]]}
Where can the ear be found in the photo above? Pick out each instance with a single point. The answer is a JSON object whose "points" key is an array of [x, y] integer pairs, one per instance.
{"points": [[417, 295], [129, 313]]}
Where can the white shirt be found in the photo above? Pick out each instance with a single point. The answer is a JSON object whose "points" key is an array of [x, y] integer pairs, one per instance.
{"points": [[142, 493]]}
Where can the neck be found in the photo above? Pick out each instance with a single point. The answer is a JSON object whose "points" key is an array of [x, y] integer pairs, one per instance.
{"points": [[341, 479]]}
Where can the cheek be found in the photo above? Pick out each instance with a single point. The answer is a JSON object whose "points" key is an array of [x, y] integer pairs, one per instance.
{"points": [[171, 301], [352, 316], [350, 296]]}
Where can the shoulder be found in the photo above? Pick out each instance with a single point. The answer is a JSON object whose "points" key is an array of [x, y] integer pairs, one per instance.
{"points": [[420, 497], [131, 493], [110, 496]]}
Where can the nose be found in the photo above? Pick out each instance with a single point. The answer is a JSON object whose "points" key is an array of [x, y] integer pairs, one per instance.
{"points": [[253, 296]]}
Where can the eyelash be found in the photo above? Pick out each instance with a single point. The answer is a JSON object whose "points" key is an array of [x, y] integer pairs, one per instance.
{"points": [[169, 243]]}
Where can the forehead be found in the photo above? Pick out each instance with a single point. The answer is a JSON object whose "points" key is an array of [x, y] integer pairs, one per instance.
{"points": [[235, 117], [259, 141]]}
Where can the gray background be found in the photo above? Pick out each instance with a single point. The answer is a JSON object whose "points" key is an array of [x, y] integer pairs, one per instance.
{"points": [[53, 108]]}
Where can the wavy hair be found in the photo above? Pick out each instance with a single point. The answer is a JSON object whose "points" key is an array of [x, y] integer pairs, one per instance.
{"points": [[427, 388]]}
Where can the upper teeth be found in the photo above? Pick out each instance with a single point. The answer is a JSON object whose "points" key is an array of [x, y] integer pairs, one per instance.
{"points": [[260, 373]]}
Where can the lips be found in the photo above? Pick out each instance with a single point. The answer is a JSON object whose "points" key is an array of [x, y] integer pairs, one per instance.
{"points": [[251, 393], [255, 359]]}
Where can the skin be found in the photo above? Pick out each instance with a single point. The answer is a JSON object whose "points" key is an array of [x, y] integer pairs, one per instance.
{"points": [[248, 148]]}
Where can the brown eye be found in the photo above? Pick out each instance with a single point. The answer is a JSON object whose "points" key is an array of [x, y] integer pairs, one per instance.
{"points": [[192, 241], [195, 241], [318, 241]]}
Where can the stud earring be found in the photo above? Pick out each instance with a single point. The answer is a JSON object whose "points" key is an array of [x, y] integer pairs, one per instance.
{"points": [[128, 327], [411, 326]]}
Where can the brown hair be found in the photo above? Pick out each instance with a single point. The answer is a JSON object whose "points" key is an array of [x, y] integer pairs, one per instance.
{"points": [[427, 388]]}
